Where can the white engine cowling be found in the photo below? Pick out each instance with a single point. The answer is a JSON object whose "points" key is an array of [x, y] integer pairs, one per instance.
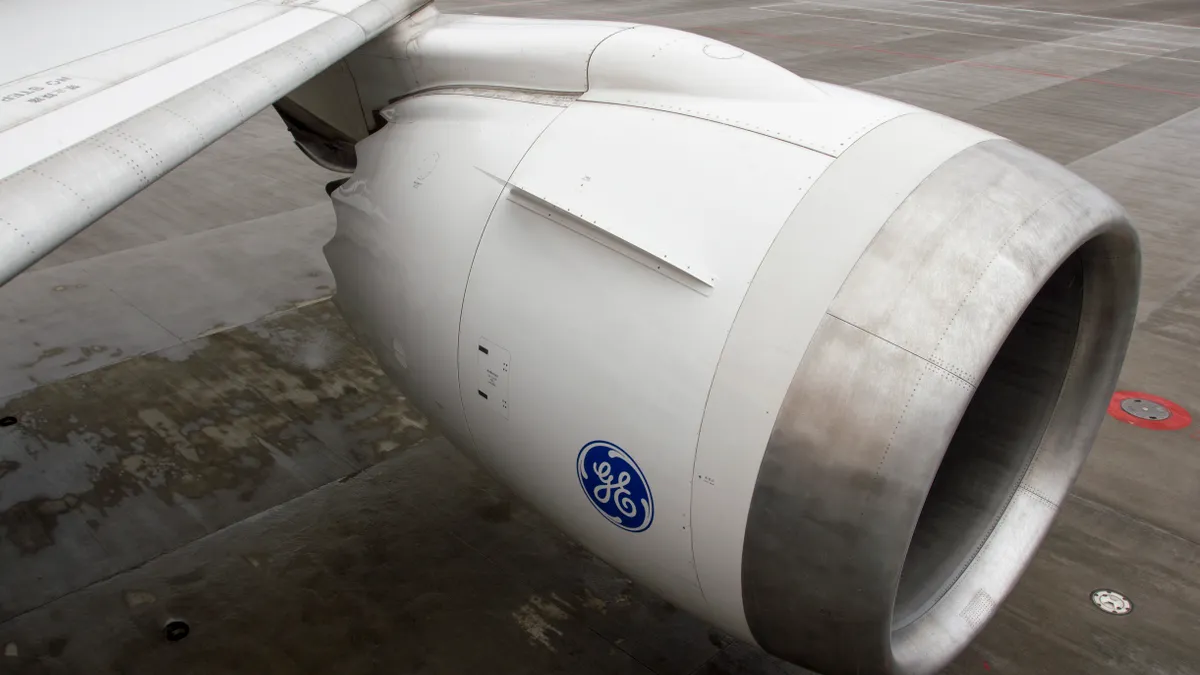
{"points": [[814, 365]]}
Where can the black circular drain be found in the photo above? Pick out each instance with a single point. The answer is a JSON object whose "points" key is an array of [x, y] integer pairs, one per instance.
{"points": [[175, 630], [7, 421]]}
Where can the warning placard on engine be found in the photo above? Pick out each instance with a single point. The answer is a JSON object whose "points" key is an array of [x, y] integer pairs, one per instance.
{"points": [[493, 376]]}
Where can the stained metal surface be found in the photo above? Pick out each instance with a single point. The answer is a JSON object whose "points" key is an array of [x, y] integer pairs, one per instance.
{"points": [[939, 417]]}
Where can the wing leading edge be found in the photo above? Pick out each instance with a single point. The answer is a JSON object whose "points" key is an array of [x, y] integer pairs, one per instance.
{"points": [[78, 139]]}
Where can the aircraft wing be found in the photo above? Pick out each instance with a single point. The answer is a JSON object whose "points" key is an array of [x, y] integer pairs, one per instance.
{"points": [[100, 99]]}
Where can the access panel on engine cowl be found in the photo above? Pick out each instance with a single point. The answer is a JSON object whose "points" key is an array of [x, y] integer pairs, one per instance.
{"points": [[605, 347]]}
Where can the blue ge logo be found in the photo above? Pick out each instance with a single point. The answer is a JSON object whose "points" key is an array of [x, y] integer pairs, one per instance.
{"points": [[615, 485]]}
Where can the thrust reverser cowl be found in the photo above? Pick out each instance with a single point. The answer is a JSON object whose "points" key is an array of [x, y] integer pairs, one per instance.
{"points": [[844, 356]]}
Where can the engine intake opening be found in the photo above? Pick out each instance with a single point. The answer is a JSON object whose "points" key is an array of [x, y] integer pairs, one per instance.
{"points": [[996, 440], [939, 416], [1016, 451]]}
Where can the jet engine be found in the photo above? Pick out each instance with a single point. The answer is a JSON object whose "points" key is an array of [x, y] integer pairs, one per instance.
{"points": [[817, 366]]}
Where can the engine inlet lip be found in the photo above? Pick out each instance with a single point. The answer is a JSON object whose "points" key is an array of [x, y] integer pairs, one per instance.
{"points": [[1111, 262], [839, 494]]}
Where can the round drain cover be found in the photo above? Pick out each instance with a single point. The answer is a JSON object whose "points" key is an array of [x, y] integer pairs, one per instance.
{"points": [[1145, 410], [1111, 602], [1148, 411], [176, 629]]}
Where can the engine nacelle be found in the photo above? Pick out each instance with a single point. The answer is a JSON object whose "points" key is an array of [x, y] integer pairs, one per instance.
{"points": [[814, 365]]}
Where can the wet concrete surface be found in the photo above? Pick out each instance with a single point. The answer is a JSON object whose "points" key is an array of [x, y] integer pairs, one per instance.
{"points": [[199, 437], [108, 469]]}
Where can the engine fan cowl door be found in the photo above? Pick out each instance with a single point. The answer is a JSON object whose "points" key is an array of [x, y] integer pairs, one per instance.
{"points": [[609, 275], [409, 222]]}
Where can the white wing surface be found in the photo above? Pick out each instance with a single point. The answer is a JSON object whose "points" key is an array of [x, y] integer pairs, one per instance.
{"points": [[100, 99]]}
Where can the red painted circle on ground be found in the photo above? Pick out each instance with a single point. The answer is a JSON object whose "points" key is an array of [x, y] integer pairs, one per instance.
{"points": [[1179, 418]]}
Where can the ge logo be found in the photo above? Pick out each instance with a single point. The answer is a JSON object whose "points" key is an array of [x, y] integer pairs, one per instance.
{"points": [[615, 485]]}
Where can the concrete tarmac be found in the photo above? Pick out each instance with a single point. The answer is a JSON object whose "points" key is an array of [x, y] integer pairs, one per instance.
{"points": [[199, 438]]}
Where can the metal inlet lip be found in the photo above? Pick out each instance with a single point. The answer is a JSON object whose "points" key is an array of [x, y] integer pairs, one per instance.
{"points": [[939, 416]]}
